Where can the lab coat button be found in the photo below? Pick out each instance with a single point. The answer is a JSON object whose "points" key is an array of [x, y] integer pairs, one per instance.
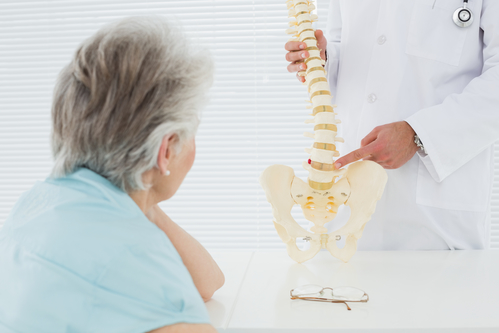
{"points": [[381, 40], [371, 98]]}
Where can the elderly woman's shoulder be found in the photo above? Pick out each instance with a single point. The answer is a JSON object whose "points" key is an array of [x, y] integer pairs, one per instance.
{"points": [[82, 217], [82, 252]]}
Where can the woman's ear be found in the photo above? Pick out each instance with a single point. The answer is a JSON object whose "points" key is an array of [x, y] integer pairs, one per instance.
{"points": [[166, 153]]}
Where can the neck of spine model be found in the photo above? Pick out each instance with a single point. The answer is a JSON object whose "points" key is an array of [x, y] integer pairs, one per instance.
{"points": [[322, 174]]}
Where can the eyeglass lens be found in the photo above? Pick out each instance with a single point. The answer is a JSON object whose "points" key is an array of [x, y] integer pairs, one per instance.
{"points": [[308, 290]]}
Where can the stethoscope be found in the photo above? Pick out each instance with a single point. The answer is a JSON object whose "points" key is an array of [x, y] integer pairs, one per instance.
{"points": [[463, 17]]}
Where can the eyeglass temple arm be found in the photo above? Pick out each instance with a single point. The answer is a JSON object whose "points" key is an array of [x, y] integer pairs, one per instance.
{"points": [[321, 300], [348, 308]]}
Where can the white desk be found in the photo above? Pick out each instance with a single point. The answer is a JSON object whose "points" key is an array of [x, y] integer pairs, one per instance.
{"points": [[432, 291]]}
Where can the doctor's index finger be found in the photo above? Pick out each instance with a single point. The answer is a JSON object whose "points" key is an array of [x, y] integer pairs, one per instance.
{"points": [[295, 46], [354, 156], [296, 56]]}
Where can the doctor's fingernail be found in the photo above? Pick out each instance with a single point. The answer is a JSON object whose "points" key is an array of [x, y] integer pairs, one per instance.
{"points": [[303, 55], [337, 165], [302, 46]]}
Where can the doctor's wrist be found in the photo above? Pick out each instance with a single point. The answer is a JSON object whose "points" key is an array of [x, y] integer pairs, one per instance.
{"points": [[419, 144]]}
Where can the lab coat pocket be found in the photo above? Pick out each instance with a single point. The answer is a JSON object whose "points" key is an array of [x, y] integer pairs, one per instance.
{"points": [[466, 189], [433, 34]]}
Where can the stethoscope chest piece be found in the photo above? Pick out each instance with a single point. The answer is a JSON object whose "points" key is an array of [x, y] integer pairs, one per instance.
{"points": [[463, 17]]}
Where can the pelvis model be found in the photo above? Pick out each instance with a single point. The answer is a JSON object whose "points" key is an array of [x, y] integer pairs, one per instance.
{"points": [[359, 186]]}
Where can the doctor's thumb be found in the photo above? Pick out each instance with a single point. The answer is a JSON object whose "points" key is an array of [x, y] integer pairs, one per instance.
{"points": [[321, 42]]}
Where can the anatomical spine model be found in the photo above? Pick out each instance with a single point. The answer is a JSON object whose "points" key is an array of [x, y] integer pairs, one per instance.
{"points": [[359, 186]]}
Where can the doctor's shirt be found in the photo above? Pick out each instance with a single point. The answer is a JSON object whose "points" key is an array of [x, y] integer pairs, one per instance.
{"points": [[390, 61]]}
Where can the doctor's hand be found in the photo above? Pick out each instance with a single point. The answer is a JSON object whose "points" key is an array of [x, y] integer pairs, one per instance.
{"points": [[390, 145], [297, 55]]}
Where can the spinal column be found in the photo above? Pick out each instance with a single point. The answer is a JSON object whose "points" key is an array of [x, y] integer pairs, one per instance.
{"points": [[322, 153], [360, 185]]}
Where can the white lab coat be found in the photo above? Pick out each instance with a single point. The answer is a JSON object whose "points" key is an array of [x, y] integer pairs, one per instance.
{"points": [[393, 60]]}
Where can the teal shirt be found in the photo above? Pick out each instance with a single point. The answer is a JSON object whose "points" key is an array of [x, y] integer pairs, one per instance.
{"points": [[78, 255]]}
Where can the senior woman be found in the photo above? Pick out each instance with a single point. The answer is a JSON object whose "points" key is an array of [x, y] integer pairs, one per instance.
{"points": [[88, 249]]}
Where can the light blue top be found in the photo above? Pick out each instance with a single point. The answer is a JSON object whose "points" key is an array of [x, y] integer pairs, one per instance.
{"points": [[78, 255]]}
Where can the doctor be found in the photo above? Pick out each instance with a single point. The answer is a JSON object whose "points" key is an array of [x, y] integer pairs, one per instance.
{"points": [[417, 88]]}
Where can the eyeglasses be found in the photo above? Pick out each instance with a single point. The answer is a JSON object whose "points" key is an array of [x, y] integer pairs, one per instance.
{"points": [[313, 292]]}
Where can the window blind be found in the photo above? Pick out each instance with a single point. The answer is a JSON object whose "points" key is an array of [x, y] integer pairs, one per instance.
{"points": [[255, 117]]}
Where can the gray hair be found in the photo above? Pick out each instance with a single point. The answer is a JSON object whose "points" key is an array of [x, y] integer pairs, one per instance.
{"points": [[129, 85]]}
